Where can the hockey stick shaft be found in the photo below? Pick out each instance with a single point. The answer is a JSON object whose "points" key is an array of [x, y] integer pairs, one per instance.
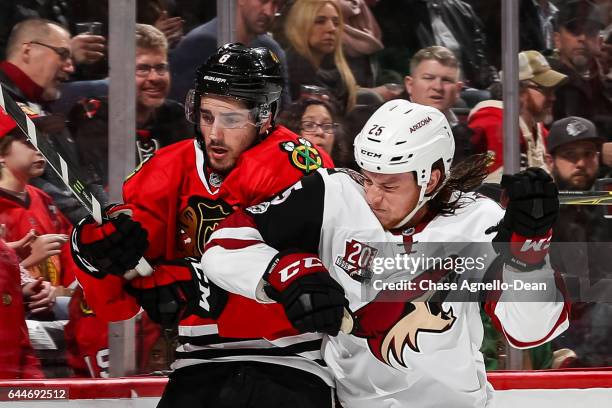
{"points": [[585, 197], [566, 197], [64, 168]]}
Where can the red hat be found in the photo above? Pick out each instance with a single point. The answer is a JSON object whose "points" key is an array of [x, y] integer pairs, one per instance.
{"points": [[6, 123]]}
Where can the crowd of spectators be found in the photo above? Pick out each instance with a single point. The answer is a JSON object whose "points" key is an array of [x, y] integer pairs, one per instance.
{"points": [[341, 60]]}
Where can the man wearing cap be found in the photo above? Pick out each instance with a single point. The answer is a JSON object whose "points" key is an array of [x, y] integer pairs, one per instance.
{"points": [[588, 91], [573, 158], [537, 85], [574, 147]]}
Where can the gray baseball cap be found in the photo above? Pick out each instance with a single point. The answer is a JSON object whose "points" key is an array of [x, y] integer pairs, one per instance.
{"points": [[572, 129]]}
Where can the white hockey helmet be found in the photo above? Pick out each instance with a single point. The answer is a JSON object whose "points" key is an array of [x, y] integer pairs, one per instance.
{"points": [[403, 137]]}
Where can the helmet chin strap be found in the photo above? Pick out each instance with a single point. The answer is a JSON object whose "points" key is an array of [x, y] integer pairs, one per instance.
{"points": [[422, 201]]}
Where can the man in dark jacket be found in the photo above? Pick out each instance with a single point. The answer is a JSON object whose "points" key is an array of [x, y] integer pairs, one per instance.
{"points": [[588, 91], [451, 23], [581, 244], [253, 20]]}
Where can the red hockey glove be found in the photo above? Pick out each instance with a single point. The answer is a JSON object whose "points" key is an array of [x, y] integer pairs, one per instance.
{"points": [[523, 235], [313, 300], [175, 290], [114, 247]]}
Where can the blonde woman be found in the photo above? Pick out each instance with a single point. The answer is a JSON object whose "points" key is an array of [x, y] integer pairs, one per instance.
{"points": [[314, 31]]}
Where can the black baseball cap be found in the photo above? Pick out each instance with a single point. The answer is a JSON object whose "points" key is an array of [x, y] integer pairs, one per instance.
{"points": [[572, 129], [579, 14]]}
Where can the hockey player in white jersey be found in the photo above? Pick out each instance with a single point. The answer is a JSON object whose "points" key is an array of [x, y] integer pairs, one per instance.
{"points": [[416, 351]]}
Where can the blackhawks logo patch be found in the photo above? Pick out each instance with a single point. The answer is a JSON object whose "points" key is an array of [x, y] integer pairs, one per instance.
{"points": [[303, 155], [197, 221]]}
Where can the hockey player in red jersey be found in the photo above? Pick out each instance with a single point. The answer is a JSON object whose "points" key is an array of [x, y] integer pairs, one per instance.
{"points": [[176, 199], [405, 347]]}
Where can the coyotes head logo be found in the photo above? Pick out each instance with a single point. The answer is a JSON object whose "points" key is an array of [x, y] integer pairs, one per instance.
{"points": [[390, 327]]}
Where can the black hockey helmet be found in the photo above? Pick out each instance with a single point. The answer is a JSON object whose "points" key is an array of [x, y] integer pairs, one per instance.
{"points": [[249, 74]]}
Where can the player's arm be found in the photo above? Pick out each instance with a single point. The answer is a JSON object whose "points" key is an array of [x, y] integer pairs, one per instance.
{"points": [[528, 317], [134, 229], [244, 245], [103, 253], [177, 289], [268, 252]]}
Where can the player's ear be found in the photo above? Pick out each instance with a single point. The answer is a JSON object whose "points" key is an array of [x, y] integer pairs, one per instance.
{"points": [[434, 180]]}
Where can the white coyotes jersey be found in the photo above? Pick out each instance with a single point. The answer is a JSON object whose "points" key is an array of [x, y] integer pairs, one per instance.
{"points": [[418, 354]]}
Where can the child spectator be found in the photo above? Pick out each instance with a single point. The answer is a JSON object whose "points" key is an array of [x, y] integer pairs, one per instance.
{"points": [[24, 208]]}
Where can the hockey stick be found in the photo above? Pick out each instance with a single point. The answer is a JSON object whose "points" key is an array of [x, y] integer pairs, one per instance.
{"points": [[64, 169], [585, 197], [566, 197]]}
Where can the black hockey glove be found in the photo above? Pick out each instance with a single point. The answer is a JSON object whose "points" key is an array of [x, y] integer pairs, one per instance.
{"points": [[176, 290], [313, 300], [523, 235], [114, 247]]}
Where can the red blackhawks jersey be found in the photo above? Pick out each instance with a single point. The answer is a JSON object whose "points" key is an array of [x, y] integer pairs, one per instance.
{"points": [[180, 205], [86, 337], [422, 351], [38, 212], [17, 359]]}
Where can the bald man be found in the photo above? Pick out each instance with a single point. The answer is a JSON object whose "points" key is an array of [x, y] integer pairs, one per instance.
{"points": [[38, 59]]}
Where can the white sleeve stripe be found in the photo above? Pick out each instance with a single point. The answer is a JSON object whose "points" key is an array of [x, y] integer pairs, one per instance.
{"points": [[64, 170], [240, 233], [200, 330], [32, 131]]}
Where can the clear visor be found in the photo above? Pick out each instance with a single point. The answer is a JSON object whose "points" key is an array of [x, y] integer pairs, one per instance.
{"points": [[219, 115]]}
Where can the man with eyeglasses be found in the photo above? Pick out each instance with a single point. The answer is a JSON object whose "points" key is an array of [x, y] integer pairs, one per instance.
{"points": [[159, 121], [588, 91], [38, 60], [537, 85]]}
